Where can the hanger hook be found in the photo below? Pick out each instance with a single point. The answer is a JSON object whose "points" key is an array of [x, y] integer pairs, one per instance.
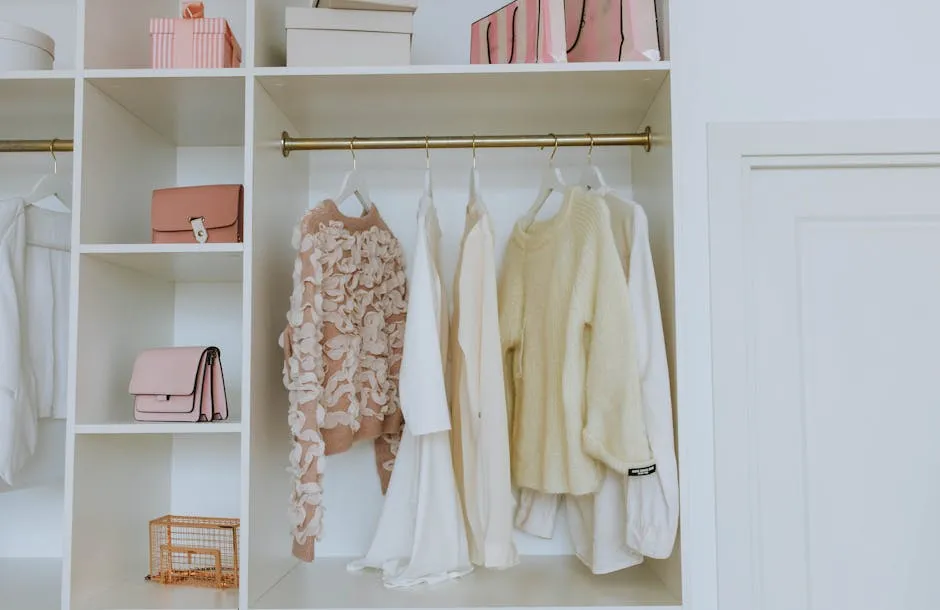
{"points": [[474, 145], [352, 149], [55, 162], [427, 150], [555, 149], [591, 150]]}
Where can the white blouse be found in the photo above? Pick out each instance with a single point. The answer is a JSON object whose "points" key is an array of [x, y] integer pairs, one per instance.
{"points": [[421, 536], [48, 241], [17, 385], [481, 427]]}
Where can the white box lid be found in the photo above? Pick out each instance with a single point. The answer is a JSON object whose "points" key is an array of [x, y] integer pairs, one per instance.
{"points": [[409, 6], [26, 35], [299, 18]]}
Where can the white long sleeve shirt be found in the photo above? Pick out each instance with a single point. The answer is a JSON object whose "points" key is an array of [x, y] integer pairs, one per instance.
{"points": [[421, 537], [18, 416]]}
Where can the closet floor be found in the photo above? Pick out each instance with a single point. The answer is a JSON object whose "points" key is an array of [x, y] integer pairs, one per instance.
{"points": [[142, 595], [542, 582], [35, 584]]}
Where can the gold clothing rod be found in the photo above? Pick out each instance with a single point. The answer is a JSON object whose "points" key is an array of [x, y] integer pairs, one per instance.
{"points": [[290, 144], [46, 146]]}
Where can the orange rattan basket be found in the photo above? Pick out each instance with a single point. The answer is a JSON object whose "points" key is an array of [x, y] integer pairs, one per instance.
{"points": [[194, 551]]}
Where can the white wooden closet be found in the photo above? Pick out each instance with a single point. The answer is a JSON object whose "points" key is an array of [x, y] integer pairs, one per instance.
{"points": [[73, 533]]}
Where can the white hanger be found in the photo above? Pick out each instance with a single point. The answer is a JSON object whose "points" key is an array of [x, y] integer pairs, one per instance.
{"points": [[44, 194], [474, 174], [354, 184], [591, 177], [428, 187], [552, 181]]}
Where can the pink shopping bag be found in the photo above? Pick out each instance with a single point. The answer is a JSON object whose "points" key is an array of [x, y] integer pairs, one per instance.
{"points": [[523, 31], [611, 30]]}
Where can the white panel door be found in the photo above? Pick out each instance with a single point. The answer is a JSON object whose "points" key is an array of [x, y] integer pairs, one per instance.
{"points": [[825, 267]]}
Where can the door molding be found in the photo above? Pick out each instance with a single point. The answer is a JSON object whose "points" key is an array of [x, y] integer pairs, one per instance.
{"points": [[735, 152]]}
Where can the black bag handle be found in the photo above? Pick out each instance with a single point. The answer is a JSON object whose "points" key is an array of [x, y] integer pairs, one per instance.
{"points": [[512, 40]]}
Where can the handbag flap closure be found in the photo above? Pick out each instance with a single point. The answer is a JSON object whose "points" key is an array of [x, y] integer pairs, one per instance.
{"points": [[166, 371], [173, 209]]}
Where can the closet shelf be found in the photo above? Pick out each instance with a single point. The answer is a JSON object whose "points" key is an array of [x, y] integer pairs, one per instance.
{"points": [[65, 75], [34, 107], [543, 582], [439, 69], [174, 262], [140, 595], [118, 73], [227, 427], [165, 100], [439, 102]]}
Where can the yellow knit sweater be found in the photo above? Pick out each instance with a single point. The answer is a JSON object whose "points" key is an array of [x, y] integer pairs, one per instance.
{"points": [[568, 347]]}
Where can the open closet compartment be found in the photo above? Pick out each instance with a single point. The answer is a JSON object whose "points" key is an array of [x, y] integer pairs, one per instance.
{"points": [[55, 18], [32, 509], [436, 103], [122, 482], [117, 32], [136, 295]]}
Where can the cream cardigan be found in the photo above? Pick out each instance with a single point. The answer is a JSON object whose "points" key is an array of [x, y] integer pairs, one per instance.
{"points": [[568, 345], [481, 429]]}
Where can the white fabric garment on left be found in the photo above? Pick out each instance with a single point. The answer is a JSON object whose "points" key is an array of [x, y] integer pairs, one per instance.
{"points": [[48, 239], [18, 417], [421, 536], [630, 516]]}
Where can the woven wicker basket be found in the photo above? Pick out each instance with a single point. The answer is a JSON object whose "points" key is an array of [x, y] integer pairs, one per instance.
{"points": [[194, 551]]}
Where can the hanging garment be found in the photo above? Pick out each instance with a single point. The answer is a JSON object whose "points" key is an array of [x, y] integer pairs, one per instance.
{"points": [[421, 537], [481, 429], [17, 384], [634, 516], [48, 240], [567, 337], [342, 352]]}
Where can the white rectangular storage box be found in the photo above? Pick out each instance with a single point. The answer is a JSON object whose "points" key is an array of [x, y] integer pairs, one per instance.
{"points": [[23, 48], [409, 6], [336, 37]]}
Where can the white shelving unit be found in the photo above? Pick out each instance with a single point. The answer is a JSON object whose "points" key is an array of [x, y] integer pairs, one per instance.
{"points": [[73, 534]]}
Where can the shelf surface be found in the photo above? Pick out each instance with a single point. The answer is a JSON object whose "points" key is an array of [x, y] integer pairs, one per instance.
{"points": [[30, 584], [542, 582], [442, 100], [439, 69], [230, 426], [142, 595], [175, 262], [66, 75], [165, 100]]}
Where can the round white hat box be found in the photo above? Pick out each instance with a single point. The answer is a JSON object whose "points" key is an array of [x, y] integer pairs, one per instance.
{"points": [[23, 48]]}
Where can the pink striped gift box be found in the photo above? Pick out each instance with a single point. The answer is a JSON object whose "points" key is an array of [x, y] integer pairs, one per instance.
{"points": [[193, 43], [523, 31]]}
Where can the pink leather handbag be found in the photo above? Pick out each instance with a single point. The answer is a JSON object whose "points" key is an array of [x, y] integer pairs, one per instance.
{"points": [[179, 384], [197, 214]]}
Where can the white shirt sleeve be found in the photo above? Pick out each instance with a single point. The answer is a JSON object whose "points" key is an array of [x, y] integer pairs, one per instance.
{"points": [[652, 500], [421, 379]]}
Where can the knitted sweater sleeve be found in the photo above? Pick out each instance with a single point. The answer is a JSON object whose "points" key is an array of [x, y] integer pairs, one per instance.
{"points": [[510, 298], [614, 430]]}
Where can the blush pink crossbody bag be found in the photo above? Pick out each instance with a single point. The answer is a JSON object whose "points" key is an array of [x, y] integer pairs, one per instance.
{"points": [[179, 384]]}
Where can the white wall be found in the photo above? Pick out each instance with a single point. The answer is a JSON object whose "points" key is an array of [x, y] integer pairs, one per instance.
{"points": [[765, 60]]}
